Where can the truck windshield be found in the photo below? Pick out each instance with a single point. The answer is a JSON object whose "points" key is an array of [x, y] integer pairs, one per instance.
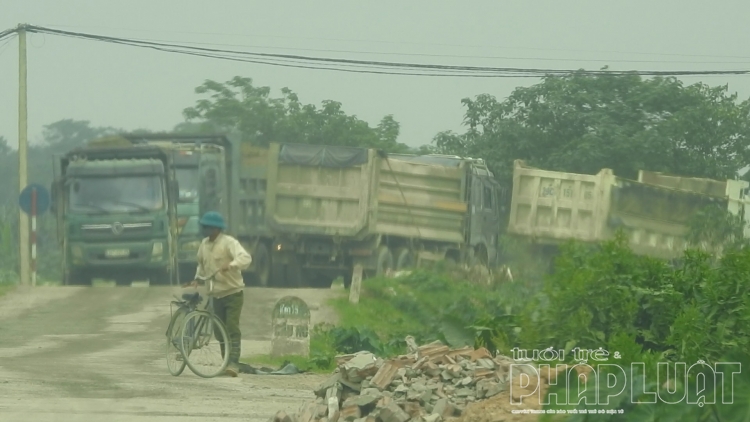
{"points": [[117, 194], [187, 179]]}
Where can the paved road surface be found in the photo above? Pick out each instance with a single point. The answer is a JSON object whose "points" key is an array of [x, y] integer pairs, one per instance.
{"points": [[97, 354]]}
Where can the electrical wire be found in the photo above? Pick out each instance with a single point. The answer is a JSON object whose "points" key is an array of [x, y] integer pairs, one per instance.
{"points": [[8, 33], [245, 35], [459, 56], [358, 66], [285, 60]]}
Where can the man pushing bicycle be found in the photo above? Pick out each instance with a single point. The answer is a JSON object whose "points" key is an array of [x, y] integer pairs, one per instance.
{"points": [[223, 253]]}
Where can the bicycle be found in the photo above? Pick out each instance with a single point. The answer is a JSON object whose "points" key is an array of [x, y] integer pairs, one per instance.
{"points": [[191, 329]]}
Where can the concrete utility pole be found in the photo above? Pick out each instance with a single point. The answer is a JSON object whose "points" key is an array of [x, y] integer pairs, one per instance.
{"points": [[23, 221]]}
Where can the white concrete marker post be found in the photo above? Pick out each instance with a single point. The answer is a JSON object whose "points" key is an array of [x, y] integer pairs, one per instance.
{"points": [[356, 286]]}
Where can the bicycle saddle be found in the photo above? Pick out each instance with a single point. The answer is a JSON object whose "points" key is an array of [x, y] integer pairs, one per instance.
{"points": [[191, 297]]}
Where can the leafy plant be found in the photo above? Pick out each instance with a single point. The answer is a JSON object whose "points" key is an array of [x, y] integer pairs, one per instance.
{"points": [[715, 229], [582, 123], [699, 397]]}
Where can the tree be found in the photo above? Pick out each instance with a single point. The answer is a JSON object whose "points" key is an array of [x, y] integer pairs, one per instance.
{"points": [[4, 147], [67, 134], [582, 123], [239, 106]]}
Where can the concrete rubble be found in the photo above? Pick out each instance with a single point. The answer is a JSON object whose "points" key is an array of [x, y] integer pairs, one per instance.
{"points": [[433, 384]]}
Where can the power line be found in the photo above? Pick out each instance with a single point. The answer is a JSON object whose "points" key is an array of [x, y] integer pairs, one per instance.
{"points": [[460, 56], [267, 59], [8, 33], [291, 60], [361, 66], [5, 44], [411, 43]]}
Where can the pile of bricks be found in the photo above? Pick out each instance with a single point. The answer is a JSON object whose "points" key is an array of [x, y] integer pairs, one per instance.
{"points": [[432, 384]]}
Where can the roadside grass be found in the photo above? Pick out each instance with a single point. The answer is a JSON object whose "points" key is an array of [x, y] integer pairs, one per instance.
{"points": [[322, 351], [6, 288], [429, 305], [8, 281], [424, 302]]}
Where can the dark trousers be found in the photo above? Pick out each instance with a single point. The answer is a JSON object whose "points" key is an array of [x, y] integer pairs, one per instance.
{"points": [[228, 310]]}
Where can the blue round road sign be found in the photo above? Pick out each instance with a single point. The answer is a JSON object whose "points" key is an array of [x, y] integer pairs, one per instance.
{"points": [[42, 199]]}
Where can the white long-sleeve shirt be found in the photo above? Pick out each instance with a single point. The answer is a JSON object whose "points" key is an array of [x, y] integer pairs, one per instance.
{"points": [[213, 255]]}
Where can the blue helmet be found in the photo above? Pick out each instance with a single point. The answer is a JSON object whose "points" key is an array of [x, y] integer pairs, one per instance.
{"points": [[213, 219]]}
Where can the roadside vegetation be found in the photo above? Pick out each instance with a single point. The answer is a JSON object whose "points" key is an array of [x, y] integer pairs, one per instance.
{"points": [[590, 296], [599, 296]]}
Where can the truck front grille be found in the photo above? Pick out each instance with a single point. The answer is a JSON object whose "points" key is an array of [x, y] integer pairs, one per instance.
{"points": [[116, 228]]}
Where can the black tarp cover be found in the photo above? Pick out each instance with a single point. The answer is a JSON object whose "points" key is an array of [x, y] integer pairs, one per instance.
{"points": [[322, 155]]}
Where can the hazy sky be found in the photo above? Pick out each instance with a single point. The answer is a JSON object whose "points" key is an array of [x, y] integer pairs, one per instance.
{"points": [[129, 87]]}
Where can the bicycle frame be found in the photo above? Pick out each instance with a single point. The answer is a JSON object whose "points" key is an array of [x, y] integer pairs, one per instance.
{"points": [[190, 307], [201, 327]]}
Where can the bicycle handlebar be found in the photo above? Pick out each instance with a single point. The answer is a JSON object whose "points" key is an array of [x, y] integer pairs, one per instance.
{"points": [[205, 279]]}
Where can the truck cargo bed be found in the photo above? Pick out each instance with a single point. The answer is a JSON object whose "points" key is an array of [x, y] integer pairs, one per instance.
{"points": [[356, 192], [420, 200], [552, 207], [312, 193]]}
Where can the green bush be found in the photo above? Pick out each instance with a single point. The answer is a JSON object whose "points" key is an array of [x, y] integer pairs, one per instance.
{"points": [[694, 311]]}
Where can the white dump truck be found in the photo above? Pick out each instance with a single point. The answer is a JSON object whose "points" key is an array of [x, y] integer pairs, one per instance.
{"points": [[551, 207]]}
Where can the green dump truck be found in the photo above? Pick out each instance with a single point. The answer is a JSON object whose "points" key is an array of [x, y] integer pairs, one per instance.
{"points": [[217, 174], [185, 151], [116, 208], [333, 207]]}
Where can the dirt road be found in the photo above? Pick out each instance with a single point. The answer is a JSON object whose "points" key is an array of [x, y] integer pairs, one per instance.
{"points": [[97, 354]]}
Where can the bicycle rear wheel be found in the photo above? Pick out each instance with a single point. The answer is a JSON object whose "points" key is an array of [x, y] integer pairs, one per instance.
{"points": [[175, 358], [202, 349]]}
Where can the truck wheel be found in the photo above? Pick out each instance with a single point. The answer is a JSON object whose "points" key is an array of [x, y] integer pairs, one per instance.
{"points": [[383, 264], [77, 278], [404, 258], [322, 279], [293, 275], [123, 281], [161, 278], [277, 277], [477, 264], [262, 262]]}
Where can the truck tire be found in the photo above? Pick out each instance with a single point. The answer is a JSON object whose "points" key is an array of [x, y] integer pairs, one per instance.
{"points": [[321, 279], [404, 259], [160, 278], [347, 280], [123, 281], [477, 263], [277, 278], [294, 276], [383, 263], [262, 263], [77, 278]]}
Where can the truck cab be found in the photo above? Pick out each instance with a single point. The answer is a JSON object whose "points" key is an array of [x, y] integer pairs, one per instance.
{"points": [[201, 171], [116, 208]]}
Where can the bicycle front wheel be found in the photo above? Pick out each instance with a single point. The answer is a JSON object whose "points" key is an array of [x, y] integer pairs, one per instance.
{"points": [[205, 344], [175, 358]]}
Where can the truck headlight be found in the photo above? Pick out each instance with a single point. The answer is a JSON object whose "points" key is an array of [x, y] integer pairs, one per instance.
{"points": [[158, 249], [191, 246]]}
